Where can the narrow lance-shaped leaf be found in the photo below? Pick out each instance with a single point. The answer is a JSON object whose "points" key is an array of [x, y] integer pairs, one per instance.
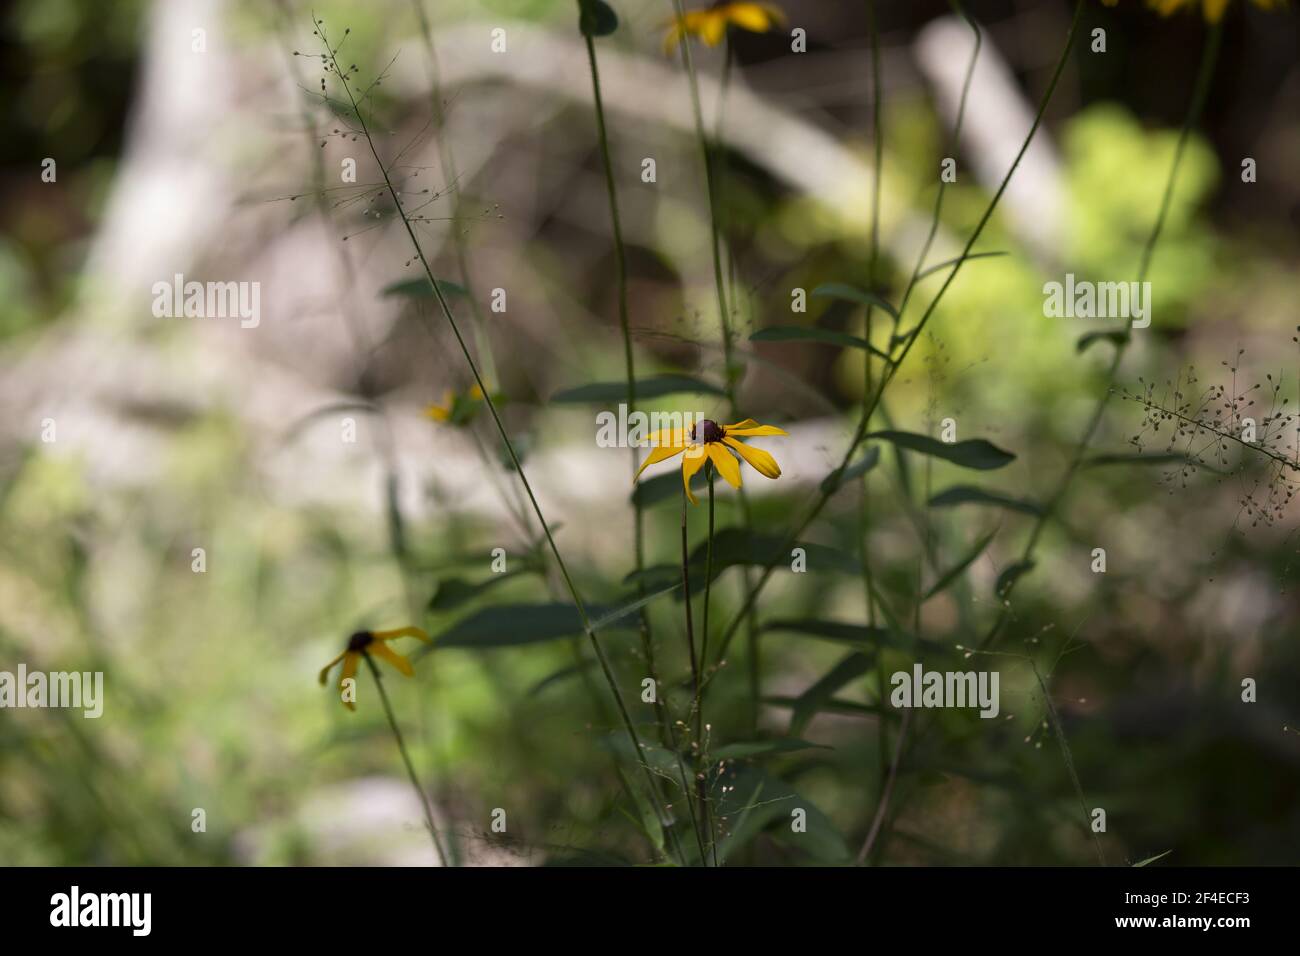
{"points": [[953, 573], [801, 333], [509, 625], [940, 266], [421, 289], [970, 495], [1010, 575], [762, 748], [840, 290], [849, 668], [866, 461], [972, 453]]}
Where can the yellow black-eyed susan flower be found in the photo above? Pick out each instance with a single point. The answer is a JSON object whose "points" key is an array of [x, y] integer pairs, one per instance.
{"points": [[456, 409], [704, 442], [710, 24], [1213, 10], [371, 643]]}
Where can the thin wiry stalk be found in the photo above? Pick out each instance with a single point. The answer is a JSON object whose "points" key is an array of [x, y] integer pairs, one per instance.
{"points": [[864, 515], [893, 366], [1200, 92], [601, 657], [620, 260], [406, 759], [362, 345], [695, 665], [451, 177], [715, 238], [629, 360], [1205, 73], [704, 656]]}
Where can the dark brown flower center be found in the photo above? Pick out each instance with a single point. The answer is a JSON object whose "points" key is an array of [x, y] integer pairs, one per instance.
{"points": [[707, 431], [360, 641]]}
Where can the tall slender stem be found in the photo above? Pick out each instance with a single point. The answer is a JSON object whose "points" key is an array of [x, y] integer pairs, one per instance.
{"points": [[892, 368], [406, 759], [1200, 92], [601, 657]]}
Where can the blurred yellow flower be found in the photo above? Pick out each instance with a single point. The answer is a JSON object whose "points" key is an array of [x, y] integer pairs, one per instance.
{"points": [[710, 25], [1213, 9], [371, 642], [704, 442], [456, 409]]}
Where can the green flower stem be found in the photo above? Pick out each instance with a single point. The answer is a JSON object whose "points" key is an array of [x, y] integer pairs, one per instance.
{"points": [[662, 717], [892, 368], [406, 759], [629, 361], [1200, 92], [695, 680], [715, 238], [601, 657]]}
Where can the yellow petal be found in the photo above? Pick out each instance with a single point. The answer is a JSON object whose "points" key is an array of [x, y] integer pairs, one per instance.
{"points": [[350, 661], [692, 461], [1214, 10], [324, 671], [759, 460], [712, 27], [751, 428], [400, 632], [386, 653], [755, 17], [726, 464], [438, 413], [658, 454], [476, 393]]}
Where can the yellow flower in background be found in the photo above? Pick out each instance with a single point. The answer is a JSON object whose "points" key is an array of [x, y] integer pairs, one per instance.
{"points": [[705, 441], [456, 409], [371, 642], [1212, 9], [710, 25]]}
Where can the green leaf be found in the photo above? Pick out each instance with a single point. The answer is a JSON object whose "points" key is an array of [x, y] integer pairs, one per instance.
{"points": [[839, 290], [1088, 338], [798, 333], [972, 453], [860, 636], [421, 289], [511, 625], [619, 613], [453, 592], [655, 386], [596, 18], [809, 702], [939, 266], [757, 801], [556, 677], [837, 705], [864, 464], [651, 491], [953, 573], [1152, 859], [736, 546], [970, 495], [762, 748], [1164, 458], [1010, 575]]}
